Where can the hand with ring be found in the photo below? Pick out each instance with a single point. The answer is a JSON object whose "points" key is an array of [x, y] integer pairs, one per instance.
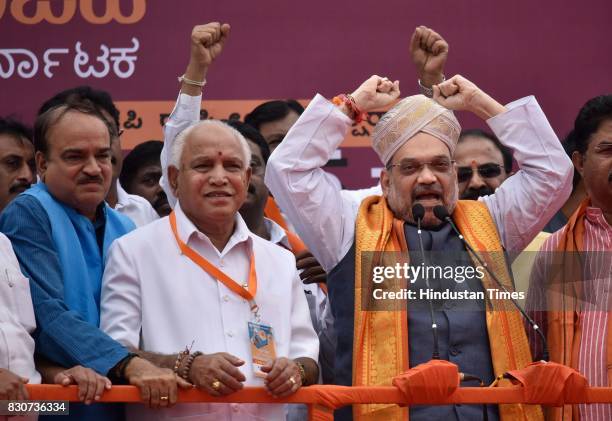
{"points": [[158, 386], [283, 378], [217, 374]]}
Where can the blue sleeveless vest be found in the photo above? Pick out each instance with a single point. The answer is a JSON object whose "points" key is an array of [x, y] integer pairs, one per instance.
{"points": [[76, 244]]}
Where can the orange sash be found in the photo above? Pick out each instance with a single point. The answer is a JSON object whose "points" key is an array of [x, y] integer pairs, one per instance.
{"points": [[272, 211], [247, 291], [563, 327], [380, 345]]}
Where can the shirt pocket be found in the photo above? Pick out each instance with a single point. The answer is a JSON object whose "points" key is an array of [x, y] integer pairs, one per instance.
{"points": [[16, 292]]}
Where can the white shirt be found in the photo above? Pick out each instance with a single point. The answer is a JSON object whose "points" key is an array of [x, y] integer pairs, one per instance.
{"points": [[158, 300], [17, 320], [137, 208], [325, 219]]}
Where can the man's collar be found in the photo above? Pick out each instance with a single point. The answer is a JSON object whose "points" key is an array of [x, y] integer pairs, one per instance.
{"points": [[277, 233], [123, 197], [186, 229], [596, 217]]}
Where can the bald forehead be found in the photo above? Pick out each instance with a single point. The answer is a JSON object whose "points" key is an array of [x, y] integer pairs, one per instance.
{"points": [[77, 122], [215, 140]]}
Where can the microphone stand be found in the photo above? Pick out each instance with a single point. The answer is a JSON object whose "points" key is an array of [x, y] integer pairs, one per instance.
{"points": [[434, 326], [442, 214]]}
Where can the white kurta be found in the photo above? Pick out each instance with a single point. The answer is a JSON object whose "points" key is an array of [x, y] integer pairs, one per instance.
{"points": [[324, 217], [137, 208], [158, 300], [16, 316]]}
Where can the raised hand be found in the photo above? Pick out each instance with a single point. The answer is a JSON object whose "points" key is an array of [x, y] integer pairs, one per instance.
{"points": [[217, 374], [375, 93], [460, 94], [429, 52], [91, 384], [207, 42]]}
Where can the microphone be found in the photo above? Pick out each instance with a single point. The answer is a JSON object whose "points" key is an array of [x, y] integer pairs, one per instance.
{"points": [[442, 214], [418, 212]]}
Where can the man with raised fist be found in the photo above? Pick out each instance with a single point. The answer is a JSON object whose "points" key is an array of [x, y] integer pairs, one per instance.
{"points": [[415, 141]]}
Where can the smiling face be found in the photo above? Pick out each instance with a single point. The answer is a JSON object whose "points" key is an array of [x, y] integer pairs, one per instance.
{"points": [[406, 181], [212, 181], [77, 166]]}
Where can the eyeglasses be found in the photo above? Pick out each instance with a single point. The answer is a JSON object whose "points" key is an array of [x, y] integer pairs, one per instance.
{"points": [[411, 167], [488, 170]]}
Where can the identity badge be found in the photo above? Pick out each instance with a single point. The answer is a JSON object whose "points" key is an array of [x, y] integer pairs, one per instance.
{"points": [[263, 350]]}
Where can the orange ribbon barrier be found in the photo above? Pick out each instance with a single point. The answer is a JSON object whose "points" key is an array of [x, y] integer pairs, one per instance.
{"points": [[430, 382], [325, 395], [551, 383]]}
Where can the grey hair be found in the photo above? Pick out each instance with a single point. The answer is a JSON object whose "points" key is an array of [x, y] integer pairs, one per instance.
{"points": [[179, 141]]}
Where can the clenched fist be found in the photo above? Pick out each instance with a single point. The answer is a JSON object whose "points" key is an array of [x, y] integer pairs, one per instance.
{"points": [[375, 93], [460, 94], [429, 52], [207, 42]]}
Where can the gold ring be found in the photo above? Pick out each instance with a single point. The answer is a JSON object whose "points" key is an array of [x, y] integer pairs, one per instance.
{"points": [[163, 398], [216, 385], [292, 380]]}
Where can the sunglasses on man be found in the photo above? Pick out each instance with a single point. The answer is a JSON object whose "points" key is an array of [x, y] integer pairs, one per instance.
{"points": [[488, 170]]}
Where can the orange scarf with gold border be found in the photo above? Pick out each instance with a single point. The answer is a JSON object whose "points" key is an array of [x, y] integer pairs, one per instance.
{"points": [[380, 345]]}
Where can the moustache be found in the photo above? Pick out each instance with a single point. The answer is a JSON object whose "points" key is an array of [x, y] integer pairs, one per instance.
{"points": [[88, 180], [19, 187], [474, 194], [421, 190]]}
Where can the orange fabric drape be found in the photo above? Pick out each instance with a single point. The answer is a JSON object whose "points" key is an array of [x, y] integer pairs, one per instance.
{"points": [[380, 346], [326, 395], [272, 211], [563, 328], [551, 383]]}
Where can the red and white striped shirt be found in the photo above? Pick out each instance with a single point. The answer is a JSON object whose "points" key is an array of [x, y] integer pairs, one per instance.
{"points": [[594, 306]]}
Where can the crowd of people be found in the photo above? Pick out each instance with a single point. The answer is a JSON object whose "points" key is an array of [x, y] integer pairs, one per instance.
{"points": [[226, 256]]}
